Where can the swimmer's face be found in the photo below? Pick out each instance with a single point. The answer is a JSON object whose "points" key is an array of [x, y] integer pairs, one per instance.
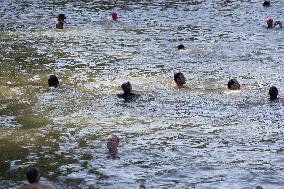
{"points": [[61, 20], [269, 23], [236, 85], [181, 79], [114, 16], [112, 143]]}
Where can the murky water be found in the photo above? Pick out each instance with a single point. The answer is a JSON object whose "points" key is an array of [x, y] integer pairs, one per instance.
{"points": [[195, 138]]}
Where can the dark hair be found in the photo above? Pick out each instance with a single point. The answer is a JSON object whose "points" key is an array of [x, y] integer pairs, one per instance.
{"points": [[32, 175], [53, 81], [125, 86], [176, 76], [231, 82], [181, 47], [266, 3], [61, 16], [273, 93]]}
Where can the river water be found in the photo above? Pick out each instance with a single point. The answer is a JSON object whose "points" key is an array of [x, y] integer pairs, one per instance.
{"points": [[190, 138]]}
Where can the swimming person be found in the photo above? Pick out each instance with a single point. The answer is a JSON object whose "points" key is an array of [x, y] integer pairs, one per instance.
{"points": [[112, 144], [53, 81], [233, 84], [127, 94], [33, 178], [266, 3], [180, 81], [233, 87], [273, 93], [270, 23], [114, 16], [60, 21]]}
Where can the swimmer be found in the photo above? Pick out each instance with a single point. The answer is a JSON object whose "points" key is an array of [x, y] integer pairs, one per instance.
{"points": [[270, 23], [33, 178], [266, 3], [112, 144], [273, 93], [53, 81], [234, 87], [60, 21], [180, 81], [127, 94], [114, 16], [233, 84], [181, 47]]}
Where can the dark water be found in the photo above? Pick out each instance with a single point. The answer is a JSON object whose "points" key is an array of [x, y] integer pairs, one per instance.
{"points": [[191, 138]]}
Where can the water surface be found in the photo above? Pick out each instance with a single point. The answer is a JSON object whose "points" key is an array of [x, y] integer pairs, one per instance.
{"points": [[192, 138]]}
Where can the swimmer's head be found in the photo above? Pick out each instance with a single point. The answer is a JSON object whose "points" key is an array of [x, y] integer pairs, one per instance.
{"points": [[114, 16], [32, 175], [180, 47], [112, 143], [273, 93], [61, 17], [53, 81], [233, 84], [179, 78], [126, 87], [266, 3], [269, 22]]}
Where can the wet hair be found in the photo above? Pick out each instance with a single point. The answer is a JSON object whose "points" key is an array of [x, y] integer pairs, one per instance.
{"points": [[266, 3], [273, 93], [231, 83], [176, 76], [116, 138], [53, 81], [61, 16], [126, 86], [32, 175], [181, 46]]}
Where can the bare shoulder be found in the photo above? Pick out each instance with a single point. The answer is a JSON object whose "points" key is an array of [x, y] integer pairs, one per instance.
{"points": [[173, 85], [232, 92]]}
